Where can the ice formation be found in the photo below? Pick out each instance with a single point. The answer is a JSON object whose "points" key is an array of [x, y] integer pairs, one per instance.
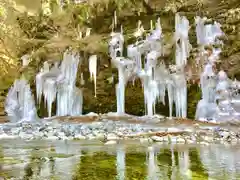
{"points": [[93, 71], [25, 60], [56, 81], [121, 163], [219, 102], [58, 84], [156, 78], [20, 105]]}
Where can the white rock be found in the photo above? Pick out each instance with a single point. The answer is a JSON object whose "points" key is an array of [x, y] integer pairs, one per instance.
{"points": [[5, 136], [112, 136], [225, 134], [15, 131], [90, 137], [52, 138], [120, 134], [158, 139], [92, 114], [112, 142], [80, 137], [23, 135], [100, 136], [38, 134], [234, 141], [61, 134], [208, 138]]}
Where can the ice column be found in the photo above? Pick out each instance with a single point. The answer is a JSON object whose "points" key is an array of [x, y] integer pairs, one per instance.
{"points": [[20, 105], [93, 71]]}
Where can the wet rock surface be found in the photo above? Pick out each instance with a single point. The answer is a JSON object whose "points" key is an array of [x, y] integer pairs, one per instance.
{"points": [[110, 132]]}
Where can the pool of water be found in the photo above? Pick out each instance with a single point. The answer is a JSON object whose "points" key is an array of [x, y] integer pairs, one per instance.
{"points": [[92, 160]]}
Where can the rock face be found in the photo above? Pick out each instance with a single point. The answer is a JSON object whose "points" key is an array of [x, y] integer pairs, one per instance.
{"points": [[225, 12]]}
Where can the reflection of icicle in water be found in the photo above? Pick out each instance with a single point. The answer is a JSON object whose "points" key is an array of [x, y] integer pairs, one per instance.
{"points": [[20, 105], [152, 166], [93, 71], [183, 158], [121, 163]]}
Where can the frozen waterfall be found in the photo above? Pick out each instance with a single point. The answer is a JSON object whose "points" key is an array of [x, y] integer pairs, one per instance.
{"points": [[58, 84], [20, 105]]}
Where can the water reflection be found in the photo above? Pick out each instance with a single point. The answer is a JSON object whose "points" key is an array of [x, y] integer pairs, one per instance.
{"points": [[122, 162]]}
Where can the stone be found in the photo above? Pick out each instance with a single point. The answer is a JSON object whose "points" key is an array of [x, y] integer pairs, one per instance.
{"points": [[5, 136], [158, 139], [234, 141], [100, 136], [79, 137], [208, 138], [38, 135], [112, 142], [112, 136], [90, 137], [24, 135], [52, 138], [15, 131], [225, 134]]}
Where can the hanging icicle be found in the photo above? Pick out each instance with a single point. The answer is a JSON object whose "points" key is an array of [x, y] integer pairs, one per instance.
{"points": [[93, 71]]}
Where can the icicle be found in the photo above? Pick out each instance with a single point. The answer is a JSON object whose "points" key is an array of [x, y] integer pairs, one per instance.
{"points": [[25, 60], [20, 104], [93, 71], [153, 171], [115, 18], [82, 82], [151, 25], [88, 32]]}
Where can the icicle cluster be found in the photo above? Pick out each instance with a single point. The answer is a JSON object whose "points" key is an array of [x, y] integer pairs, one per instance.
{"points": [[58, 83], [156, 78], [183, 46], [218, 101], [20, 105]]}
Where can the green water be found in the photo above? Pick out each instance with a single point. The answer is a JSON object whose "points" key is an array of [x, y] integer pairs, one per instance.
{"points": [[92, 160]]}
